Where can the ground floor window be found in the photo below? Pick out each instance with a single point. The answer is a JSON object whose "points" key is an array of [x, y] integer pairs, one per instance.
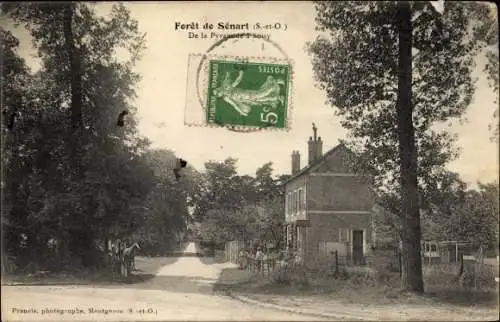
{"points": [[344, 235]]}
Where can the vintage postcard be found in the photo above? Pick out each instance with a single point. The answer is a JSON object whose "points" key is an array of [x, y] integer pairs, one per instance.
{"points": [[249, 161]]}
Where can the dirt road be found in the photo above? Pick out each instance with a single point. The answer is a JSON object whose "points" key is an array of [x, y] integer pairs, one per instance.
{"points": [[181, 289]]}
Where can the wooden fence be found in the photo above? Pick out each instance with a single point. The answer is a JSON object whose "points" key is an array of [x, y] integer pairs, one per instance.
{"points": [[233, 248], [277, 261]]}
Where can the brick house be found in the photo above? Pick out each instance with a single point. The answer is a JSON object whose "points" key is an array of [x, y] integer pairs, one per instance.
{"points": [[328, 207]]}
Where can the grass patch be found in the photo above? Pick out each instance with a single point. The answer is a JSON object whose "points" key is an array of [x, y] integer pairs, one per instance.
{"points": [[146, 268], [366, 286], [82, 277]]}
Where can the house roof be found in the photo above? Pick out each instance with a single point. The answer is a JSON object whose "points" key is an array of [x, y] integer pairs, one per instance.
{"points": [[316, 163]]}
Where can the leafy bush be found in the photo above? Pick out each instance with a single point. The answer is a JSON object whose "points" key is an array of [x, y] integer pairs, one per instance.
{"points": [[447, 275], [296, 276], [360, 276], [8, 264], [322, 275]]}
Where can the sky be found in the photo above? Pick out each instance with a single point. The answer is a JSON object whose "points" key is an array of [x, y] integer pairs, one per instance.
{"points": [[162, 94]]}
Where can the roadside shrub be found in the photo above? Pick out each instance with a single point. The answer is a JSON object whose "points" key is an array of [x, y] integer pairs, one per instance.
{"points": [[296, 276], [324, 275], [447, 276], [384, 260], [360, 276], [440, 274], [219, 256], [8, 264], [282, 278]]}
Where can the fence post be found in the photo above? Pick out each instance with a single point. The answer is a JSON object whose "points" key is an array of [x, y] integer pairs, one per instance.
{"points": [[461, 269], [235, 253], [476, 272], [236, 249], [400, 264], [336, 262], [232, 252]]}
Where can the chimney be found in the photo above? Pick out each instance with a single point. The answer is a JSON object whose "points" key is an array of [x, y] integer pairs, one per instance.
{"points": [[319, 148], [295, 162], [315, 146], [312, 150]]}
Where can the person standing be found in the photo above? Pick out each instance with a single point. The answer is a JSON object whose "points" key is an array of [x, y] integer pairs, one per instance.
{"points": [[243, 259], [259, 256]]}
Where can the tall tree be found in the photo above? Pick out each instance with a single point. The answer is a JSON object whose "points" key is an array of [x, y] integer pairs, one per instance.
{"points": [[55, 24], [477, 220], [18, 145], [412, 262], [81, 76], [393, 70], [265, 183], [75, 75], [271, 198], [219, 190], [166, 214], [248, 208]]}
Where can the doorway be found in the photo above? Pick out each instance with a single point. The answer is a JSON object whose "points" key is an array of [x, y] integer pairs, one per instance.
{"points": [[357, 247]]}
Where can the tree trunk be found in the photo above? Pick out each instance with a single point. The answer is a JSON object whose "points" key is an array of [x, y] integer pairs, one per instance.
{"points": [[76, 91], [81, 239], [106, 242], [411, 261]]}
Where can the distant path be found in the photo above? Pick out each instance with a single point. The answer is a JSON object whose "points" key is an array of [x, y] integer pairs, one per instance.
{"points": [[174, 288]]}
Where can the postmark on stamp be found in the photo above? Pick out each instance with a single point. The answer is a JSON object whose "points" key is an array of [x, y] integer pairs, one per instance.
{"points": [[247, 93], [240, 93]]}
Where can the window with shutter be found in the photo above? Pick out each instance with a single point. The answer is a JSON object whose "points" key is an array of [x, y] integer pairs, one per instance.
{"points": [[300, 200], [304, 199], [287, 204], [343, 235], [295, 201]]}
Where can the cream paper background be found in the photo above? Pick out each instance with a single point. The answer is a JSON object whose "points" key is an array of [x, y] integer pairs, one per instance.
{"points": [[161, 108]]}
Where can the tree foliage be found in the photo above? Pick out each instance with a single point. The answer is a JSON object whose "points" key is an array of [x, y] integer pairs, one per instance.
{"points": [[453, 212], [356, 63], [166, 214], [236, 207], [359, 61], [46, 202], [475, 219], [485, 17]]}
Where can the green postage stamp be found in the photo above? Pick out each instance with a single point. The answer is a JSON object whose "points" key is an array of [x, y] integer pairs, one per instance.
{"points": [[242, 93], [247, 93]]}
